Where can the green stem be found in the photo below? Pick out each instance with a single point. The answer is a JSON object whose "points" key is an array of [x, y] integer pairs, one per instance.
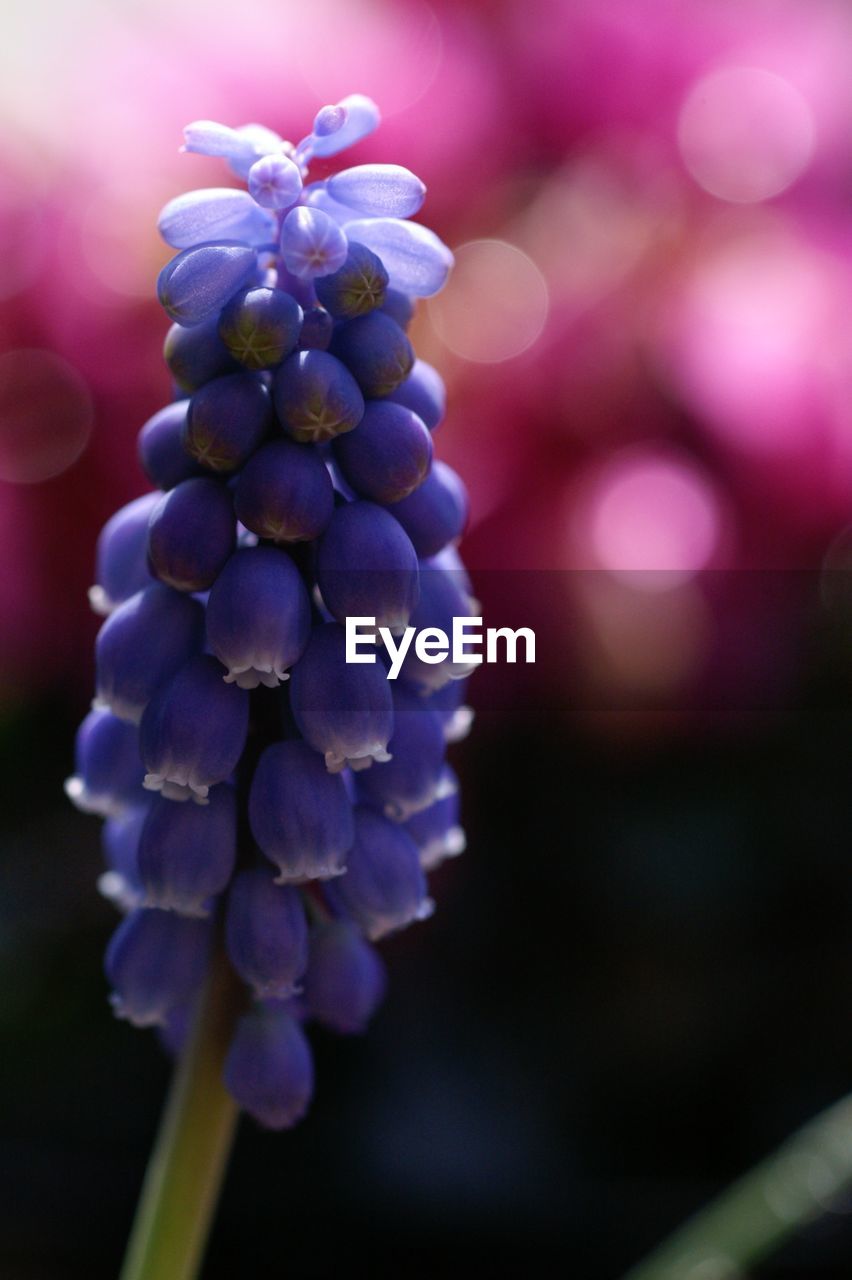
{"points": [[758, 1212], [188, 1162]]}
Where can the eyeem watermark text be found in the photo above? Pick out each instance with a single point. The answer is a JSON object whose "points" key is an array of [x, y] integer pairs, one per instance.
{"points": [[432, 645]]}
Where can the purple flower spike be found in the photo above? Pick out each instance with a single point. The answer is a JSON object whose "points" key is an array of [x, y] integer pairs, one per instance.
{"points": [[384, 888], [375, 351], [312, 244], [269, 1069], [160, 447], [300, 814], [316, 397], [423, 392], [284, 493], [258, 617], [389, 455], [346, 979], [344, 710], [435, 514], [266, 934], [198, 282], [411, 779], [187, 852], [367, 567], [155, 961], [192, 533], [193, 731], [109, 771], [141, 646], [227, 420], [121, 565]]}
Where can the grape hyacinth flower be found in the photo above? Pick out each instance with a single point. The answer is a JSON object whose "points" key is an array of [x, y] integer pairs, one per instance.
{"points": [[271, 809]]}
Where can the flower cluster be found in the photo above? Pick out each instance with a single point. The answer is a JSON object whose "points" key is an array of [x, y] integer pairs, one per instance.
{"points": [[258, 791]]}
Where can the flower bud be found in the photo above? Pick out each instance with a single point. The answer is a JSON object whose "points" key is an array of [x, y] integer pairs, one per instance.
{"points": [[160, 445], [261, 326], [346, 978], [357, 287], [192, 532], [375, 351], [300, 814], [269, 1069], [312, 244], [141, 646], [435, 514], [196, 355], [266, 934], [199, 281], [344, 710], [216, 213], [443, 597], [155, 960], [284, 493], [316, 397], [193, 731], [187, 852], [121, 565], [120, 883], [227, 420], [423, 392], [388, 456], [367, 567]]}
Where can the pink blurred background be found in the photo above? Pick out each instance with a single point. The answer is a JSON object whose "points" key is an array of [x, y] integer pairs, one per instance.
{"points": [[645, 339]]}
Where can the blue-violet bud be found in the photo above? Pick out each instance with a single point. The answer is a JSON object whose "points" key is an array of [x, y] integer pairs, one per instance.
{"points": [[285, 493], [155, 960], [269, 1069], [384, 888], [389, 455], [346, 978], [266, 934], [187, 852], [121, 562], [192, 532], [258, 617], [367, 567]]}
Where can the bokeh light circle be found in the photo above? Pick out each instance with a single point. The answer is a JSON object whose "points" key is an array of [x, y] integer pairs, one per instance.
{"points": [[495, 305], [46, 415], [653, 521], [745, 134]]}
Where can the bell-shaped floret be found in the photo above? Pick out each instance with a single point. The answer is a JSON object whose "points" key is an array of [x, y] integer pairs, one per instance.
{"points": [[344, 710], [196, 355], [443, 597], [411, 779], [109, 773], [389, 456], [269, 1069], [375, 351], [266, 934], [227, 420], [316, 397], [160, 445], [187, 852], [300, 814], [285, 493], [346, 978], [423, 392], [121, 563], [199, 281], [192, 533], [367, 567], [193, 731], [258, 617], [357, 287], [261, 326], [120, 883], [384, 888], [155, 961], [435, 513], [141, 646], [436, 830]]}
